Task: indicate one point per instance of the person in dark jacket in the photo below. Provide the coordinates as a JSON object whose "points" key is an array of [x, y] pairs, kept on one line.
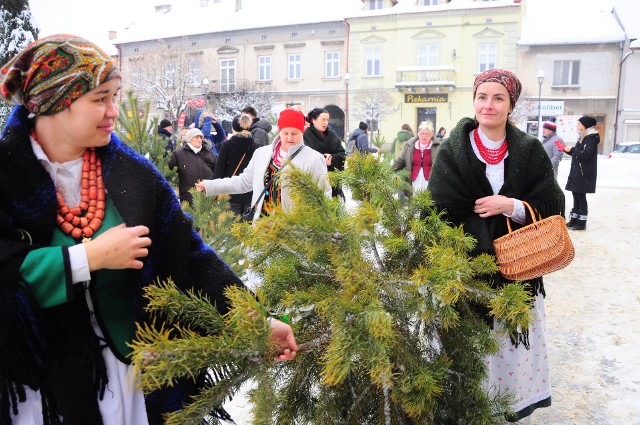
{"points": [[319, 137], [211, 129], [361, 137], [165, 130], [234, 157], [260, 128], [195, 161], [584, 170], [72, 288]]}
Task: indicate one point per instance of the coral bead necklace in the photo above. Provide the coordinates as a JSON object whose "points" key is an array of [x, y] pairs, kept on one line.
{"points": [[85, 219], [491, 156]]}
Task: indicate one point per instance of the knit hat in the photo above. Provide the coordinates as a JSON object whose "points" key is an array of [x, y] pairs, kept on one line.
{"points": [[501, 76], [363, 126], [587, 121], [550, 125], [192, 133], [291, 118], [165, 123], [53, 72]]}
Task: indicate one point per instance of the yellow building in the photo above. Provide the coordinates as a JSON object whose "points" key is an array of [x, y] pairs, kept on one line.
{"points": [[417, 59]]}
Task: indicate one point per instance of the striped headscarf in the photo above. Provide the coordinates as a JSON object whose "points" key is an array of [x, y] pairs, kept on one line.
{"points": [[53, 72], [501, 76]]}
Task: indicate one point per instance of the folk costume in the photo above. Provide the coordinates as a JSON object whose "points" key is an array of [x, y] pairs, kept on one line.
{"points": [[417, 162], [461, 175], [63, 343]]}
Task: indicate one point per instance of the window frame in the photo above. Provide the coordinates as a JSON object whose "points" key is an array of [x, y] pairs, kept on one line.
{"points": [[228, 67], [484, 57], [332, 64], [373, 57], [264, 68], [294, 67], [429, 55], [559, 73]]}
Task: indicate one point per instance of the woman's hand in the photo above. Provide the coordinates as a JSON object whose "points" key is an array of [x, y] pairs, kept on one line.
{"points": [[282, 337], [493, 205], [328, 158], [118, 248]]}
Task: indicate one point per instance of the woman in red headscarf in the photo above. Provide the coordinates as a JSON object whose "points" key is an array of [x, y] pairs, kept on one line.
{"points": [[482, 174]]}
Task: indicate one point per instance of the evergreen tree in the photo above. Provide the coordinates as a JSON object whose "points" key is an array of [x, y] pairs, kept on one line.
{"points": [[384, 302], [141, 133], [16, 32]]}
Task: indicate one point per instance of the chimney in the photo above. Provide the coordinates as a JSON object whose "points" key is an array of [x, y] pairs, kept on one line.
{"points": [[204, 3], [163, 8], [238, 5], [112, 35]]}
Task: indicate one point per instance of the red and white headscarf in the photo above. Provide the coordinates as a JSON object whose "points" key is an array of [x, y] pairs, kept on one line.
{"points": [[501, 76]]}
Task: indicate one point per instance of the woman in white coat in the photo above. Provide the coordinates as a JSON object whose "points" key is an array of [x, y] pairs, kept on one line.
{"points": [[267, 161]]}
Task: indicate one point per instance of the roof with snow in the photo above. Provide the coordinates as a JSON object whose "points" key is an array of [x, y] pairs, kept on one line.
{"points": [[554, 22], [188, 17]]}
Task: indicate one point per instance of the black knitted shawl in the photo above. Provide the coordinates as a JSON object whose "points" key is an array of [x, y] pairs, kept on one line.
{"points": [[458, 178], [55, 350]]}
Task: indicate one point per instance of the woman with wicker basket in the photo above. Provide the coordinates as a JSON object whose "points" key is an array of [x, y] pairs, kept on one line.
{"points": [[484, 172]]}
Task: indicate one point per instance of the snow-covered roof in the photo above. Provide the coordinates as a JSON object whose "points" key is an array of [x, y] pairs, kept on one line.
{"points": [[554, 22], [187, 17], [628, 12]]}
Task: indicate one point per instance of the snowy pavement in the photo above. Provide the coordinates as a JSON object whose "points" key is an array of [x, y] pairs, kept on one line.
{"points": [[593, 311]]}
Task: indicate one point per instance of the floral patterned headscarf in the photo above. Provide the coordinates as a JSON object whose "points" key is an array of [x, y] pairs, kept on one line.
{"points": [[53, 72], [501, 76]]}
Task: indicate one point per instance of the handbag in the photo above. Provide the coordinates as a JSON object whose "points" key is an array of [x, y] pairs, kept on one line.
{"points": [[539, 248], [249, 213]]}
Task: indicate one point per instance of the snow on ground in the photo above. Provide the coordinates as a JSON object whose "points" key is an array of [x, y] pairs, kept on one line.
{"points": [[593, 311]]}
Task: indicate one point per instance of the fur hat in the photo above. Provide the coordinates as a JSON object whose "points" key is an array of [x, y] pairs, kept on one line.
{"points": [[550, 125], [192, 133], [291, 118], [165, 123], [241, 122], [53, 72], [587, 121]]}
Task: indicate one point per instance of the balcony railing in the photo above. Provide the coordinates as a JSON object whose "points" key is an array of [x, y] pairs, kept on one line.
{"points": [[425, 76]]}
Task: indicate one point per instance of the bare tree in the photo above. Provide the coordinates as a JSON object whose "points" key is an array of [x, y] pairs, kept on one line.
{"points": [[169, 75], [372, 106], [229, 105], [525, 107]]}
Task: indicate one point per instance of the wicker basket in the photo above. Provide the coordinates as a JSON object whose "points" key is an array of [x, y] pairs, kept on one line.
{"points": [[539, 248]]}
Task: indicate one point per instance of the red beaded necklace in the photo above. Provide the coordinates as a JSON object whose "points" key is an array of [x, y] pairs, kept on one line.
{"points": [[491, 156], [85, 219]]}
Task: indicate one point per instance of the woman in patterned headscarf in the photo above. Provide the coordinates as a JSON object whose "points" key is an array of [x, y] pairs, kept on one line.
{"points": [[482, 174], [85, 225]]}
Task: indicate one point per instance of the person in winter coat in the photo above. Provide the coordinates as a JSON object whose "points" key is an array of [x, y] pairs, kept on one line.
{"points": [[269, 160], [207, 123], [584, 170], [360, 135], [195, 161], [442, 134], [482, 174], [417, 158], [403, 135], [74, 265], [260, 128], [235, 155], [549, 144], [165, 130], [319, 137]]}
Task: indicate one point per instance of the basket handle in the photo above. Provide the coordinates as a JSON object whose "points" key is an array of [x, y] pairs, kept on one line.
{"points": [[533, 215]]}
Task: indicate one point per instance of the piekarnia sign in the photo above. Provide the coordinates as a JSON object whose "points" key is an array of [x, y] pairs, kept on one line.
{"points": [[426, 98]]}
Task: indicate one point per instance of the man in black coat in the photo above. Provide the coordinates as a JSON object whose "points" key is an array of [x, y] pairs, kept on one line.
{"points": [[165, 130]]}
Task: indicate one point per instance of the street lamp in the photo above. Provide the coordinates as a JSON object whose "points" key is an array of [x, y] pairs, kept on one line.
{"points": [[540, 81], [347, 80], [205, 84]]}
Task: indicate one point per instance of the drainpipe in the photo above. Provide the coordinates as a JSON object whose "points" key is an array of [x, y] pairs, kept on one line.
{"points": [[615, 124], [346, 108]]}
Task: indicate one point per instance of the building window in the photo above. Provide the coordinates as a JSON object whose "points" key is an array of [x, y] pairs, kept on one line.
{"points": [[227, 75], [566, 73], [331, 64], [136, 76], [264, 68], [295, 66], [375, 4], [294, 34], [194, 73], [373, 59], [487, 56], [428, 55], [264, 37], [170, 74], [430, 2]]}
